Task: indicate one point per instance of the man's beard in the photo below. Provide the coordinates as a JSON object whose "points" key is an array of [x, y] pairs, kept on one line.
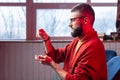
{"points": [[77, 31]]}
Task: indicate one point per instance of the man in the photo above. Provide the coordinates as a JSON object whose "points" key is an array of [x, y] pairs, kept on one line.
{"points": [[84, 58]]}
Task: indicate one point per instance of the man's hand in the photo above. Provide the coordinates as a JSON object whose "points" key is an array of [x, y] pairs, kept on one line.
{"points": [[43, 59], [44, 36], [48, 61]]}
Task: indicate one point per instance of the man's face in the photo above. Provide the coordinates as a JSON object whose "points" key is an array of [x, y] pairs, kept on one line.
{"points": [[76, 24]]}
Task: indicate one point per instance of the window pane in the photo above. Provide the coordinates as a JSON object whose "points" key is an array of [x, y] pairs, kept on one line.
{"points": [[104, 1], [59, 1], [105, 19], [7, 1], [12, 23], [55, 22]]}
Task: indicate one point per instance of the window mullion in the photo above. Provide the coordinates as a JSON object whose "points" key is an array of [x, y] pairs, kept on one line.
{"points": [[30, 21]]}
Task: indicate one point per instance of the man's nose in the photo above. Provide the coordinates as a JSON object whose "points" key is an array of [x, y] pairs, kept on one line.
{"points": [[70, 24]]}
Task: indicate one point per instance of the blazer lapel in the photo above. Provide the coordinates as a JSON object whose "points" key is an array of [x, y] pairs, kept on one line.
{"points": [[79, 53]]}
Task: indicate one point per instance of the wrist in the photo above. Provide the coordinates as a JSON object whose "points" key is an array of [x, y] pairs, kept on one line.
{"points": [[53, 64], [47, 39], [59, 70]]}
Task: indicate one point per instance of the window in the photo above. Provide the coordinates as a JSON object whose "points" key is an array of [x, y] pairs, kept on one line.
{"points": [[105, 19], [21, 19], [54, 21], [13, 22]]}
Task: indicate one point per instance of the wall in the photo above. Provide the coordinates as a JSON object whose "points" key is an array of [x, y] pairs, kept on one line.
{"points": [[17, 59]]}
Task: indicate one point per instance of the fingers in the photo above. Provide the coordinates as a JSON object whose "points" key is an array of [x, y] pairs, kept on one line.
{"points": [[48, 59], [43, 59], [41, 30], [38, 57], [37, 36], [43, 34]]}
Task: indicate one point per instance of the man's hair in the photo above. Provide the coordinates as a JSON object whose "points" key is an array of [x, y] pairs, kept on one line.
{"points": [[86, 11]]}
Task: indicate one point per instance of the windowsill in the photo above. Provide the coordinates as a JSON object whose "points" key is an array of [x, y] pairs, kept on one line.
{"points": [[53, 39]]}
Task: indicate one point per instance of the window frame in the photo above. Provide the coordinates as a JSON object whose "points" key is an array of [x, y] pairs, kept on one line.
{"points": [[32, 7]]}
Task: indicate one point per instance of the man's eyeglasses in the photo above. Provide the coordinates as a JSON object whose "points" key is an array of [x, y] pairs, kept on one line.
{"points": [[73, 19]]}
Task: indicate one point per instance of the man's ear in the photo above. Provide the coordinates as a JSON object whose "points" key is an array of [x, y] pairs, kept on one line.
{"points": [[85, 20]]}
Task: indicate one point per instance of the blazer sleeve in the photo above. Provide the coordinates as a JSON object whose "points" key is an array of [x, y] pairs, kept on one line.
{"points": [[59, 54]]}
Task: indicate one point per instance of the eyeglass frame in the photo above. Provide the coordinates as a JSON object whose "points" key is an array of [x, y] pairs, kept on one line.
{"points": [[73, 19]]}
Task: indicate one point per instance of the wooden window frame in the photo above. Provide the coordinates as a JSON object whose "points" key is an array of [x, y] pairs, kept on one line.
{"points": [[31, 8]]}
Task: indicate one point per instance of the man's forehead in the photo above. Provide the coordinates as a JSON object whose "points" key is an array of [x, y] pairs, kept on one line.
{"points": [[75, 14]]}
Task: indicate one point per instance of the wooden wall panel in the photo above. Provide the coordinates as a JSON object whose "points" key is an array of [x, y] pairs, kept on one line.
{"points": [[1, 62], [6, 63], [12, 61], [113, 46], [17, 60]]}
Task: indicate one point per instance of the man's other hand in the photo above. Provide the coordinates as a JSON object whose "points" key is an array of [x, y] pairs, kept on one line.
{"points": [[43, 59]]}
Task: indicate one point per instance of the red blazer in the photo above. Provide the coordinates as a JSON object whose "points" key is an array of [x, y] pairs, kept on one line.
{"points": [[89, 62]]}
